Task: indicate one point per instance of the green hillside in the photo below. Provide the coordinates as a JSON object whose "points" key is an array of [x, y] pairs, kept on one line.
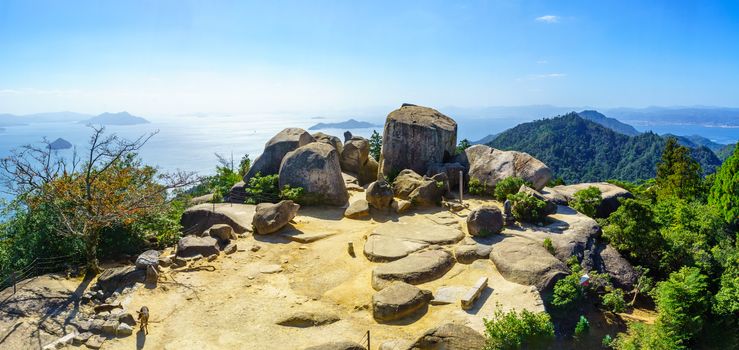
{"points": [[580, 150]]}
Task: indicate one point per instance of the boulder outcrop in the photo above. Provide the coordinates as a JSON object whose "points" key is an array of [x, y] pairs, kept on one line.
{"points": [[420, 190], [484, 221], [355, 159], [147, 258], [190, 246], [197, 219], [275, 149], [269, 218], [415, 137], [525, 261], [358, 209], [489, 165], [315, 167], [116, 278], [331, 140], [379, 194], [398, 300]]}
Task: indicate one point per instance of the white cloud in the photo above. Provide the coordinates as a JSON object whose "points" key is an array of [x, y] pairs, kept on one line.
{"points": [[548, 19]]}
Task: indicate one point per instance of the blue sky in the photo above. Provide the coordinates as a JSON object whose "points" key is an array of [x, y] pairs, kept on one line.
{"points": [[319, 56]]}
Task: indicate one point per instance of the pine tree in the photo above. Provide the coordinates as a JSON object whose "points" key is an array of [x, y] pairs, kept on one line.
{"points": [[725, 191], [375, 142], [678, 174]]}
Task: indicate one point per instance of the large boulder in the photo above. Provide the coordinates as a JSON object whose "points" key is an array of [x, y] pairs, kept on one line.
{"points": [[116, 278], [190, 246], [197, 219], [379, 194], [420, 190], [609, 192], [147, 258], [525, 261], [222, 232], [398, 300], [315, 167], [484, 221], [608, 260], [490, 165], [269, 218], [355, 159], [415, 137], [449, 336], [415, 268], [331, 140], [275, 149]]}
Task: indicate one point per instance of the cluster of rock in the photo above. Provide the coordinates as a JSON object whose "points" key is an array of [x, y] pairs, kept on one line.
{"points": [[208, 244]]}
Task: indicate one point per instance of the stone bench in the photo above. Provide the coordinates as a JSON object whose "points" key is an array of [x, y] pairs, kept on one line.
{"points": [[469, 298]]}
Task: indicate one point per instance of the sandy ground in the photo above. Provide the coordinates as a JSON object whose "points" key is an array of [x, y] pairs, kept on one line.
{"points": [[236, 306]]}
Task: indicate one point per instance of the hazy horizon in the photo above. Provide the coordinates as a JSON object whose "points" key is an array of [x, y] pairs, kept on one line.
{"points": [[175, 57]]}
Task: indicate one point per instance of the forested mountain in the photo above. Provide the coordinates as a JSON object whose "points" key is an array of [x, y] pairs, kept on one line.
{"points": [[725, 151], [611, 123], [579, 150]]}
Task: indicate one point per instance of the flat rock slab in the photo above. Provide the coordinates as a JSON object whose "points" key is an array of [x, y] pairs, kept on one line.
{"points": [[415, 268], [300, 237], [468, 253], [395, 240], [450, 336], [307, 319], [199, 218], [448, 295]]}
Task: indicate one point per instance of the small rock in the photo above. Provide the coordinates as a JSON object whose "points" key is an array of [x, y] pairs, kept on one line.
{"points": [[81, 338], [127, 318], [124, 330], [223, 232], [110, 326], [269, 218], [268, 269], [358, 209], [307, 319], [230, 249], [212, 257], [400, 205], [484, 221], [179, 262], [398, 300], [255, 248], [95, 342], [379, 194], [147, 258], [152, 276]]}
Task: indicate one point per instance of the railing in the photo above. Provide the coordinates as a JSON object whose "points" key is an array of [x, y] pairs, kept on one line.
{"points": [[365, 340], [37, 267]]}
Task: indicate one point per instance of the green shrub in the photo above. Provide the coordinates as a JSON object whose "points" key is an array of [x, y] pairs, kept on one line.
{"points": [[263, 189], [509, 185], [463, 145], [587, 201], [526, 207], [548, 245], [614, 300], [516, 330], [375, 143], [607, 341], [556, 182], [567, 292], [582, 326], [477, 187]]}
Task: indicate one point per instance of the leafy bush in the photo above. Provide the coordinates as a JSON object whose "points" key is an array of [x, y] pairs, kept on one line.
{"points": [[509, 185], [641, 336], [725, 189], [682, 301], [632, 230], [266, 189], [556, 182], [567, 291], [614, 300], [516, 330], [586, 201], [582, 326], [548, 245], [526, 207], [477, 187], [607, 341]]}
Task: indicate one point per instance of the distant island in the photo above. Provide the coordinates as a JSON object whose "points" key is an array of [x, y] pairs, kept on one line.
{"points": [[121, 118], [349, 124], [59, 144]]}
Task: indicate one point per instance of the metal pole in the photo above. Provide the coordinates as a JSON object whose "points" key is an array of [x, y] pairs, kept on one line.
{"points": [[368, 340], [12, 275], [461, 186]]}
